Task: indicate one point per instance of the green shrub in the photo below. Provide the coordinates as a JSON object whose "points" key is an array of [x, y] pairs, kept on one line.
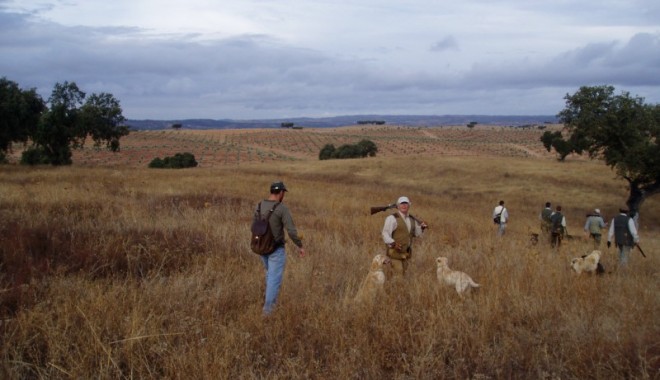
{"points": [[178, 161], [327, 152], [35, 156], [362, 149]]}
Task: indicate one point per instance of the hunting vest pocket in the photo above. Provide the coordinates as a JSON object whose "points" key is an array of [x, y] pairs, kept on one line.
{"points": [[394, 254]]}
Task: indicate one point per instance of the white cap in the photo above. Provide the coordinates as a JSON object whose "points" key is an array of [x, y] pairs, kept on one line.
{"points": [[402, 200], [597, 211]]}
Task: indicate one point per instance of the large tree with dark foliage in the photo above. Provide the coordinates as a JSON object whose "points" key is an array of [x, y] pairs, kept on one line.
{"points": [[622, 130], [72, 118], [20, 111]]}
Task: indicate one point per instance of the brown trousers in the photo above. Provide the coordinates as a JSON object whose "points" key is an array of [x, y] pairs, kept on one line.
{"points": [[398, 267]]}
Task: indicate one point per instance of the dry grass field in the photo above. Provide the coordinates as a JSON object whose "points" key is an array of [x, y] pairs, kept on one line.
{"points": [[112, 270]]}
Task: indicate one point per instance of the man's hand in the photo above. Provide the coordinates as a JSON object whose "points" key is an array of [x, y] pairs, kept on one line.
{"points": [[609, 244], [301, 251], [395, 245], [424, 226]]}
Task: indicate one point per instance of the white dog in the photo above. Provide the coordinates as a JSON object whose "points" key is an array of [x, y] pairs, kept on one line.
{"points": [[375, 279], [589, 263], [461, 281]]}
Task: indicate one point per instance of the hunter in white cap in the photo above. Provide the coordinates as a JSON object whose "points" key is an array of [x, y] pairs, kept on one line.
{"points": [[398, 232], [594, 226]]}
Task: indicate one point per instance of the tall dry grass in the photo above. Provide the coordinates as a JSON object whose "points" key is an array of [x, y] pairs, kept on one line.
{"points": [[138, 273]]}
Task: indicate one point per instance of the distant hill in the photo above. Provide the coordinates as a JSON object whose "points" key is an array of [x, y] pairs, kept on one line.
{"points": [[340, 121]]}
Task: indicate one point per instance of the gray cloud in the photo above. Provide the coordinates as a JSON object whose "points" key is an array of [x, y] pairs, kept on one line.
{"points": [[447, 43], [260, 75]]}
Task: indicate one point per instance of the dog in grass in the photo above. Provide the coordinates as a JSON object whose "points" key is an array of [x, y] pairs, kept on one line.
{"points": [[459, 280], [588, 263], [374, 281]]}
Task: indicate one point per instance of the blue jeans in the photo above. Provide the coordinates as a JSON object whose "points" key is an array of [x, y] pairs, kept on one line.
{"points": [[501, 229], [274, 265]]}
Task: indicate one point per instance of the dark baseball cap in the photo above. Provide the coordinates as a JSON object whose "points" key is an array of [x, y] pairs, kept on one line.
{"points": [[278, 186]]}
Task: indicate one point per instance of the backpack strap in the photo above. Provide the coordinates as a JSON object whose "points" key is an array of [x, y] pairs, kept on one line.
{"points": [[270, 212]]}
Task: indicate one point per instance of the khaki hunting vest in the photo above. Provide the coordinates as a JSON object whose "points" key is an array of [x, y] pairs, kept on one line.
{"points": [[403, 237]]}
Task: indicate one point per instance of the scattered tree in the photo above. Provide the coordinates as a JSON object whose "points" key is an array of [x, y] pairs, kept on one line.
{"points": [[20, 111], [471, 124], [375, 122], [620, 129], [177, 126], [71, 119]]}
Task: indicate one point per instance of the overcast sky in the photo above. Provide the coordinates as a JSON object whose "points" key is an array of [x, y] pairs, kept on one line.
{"points": [[254, 59]]}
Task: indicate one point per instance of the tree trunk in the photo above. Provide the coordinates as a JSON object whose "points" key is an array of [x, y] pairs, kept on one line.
{"points": [[637, 196]]}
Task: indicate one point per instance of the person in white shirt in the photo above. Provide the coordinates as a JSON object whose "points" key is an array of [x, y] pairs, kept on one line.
{"points": [[625, 235], [398, 232], [500, 218]]}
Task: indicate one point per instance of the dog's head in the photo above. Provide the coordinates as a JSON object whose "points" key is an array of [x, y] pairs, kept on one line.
{"points": [[576, 263], [441, 261], [378, 261]]}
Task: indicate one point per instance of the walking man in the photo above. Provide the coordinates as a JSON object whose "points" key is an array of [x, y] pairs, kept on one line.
{"points": [[500, 217], [625, 235], [275, 262], [545, 219], [398, 232], [593, 227], [557, 227]]}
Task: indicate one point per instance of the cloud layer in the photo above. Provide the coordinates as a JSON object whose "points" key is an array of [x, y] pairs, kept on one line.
{"points": [[262, 59]]}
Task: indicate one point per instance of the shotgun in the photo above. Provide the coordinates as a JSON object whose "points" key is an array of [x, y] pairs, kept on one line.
{"points": [[640, 250], [378, 209]]}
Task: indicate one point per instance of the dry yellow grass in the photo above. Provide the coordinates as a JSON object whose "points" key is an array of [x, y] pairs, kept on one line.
{"points": [[127, 272]]}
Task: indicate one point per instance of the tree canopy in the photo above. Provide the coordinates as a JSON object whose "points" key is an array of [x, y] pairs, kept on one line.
{"points": [[59, 125], [622, 130], [19, 114]]}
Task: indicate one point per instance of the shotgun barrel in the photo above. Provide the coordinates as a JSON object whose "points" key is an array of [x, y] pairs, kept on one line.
{"points": [[378, 209]]}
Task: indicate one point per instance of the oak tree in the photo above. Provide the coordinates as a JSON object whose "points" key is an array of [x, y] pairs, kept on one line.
{"points": [[622, 130]]}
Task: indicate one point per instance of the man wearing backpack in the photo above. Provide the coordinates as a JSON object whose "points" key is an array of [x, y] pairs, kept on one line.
{"points": [[557, 227], [275, 262], [625, 235]]}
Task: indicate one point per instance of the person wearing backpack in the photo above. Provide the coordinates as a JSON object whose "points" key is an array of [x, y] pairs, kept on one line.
{"points": [[624, 232], [275, 262], [500, 217], [593, 227], [557, 227]]}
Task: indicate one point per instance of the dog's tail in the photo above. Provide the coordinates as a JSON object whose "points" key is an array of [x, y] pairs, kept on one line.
{"points": [[474, 284]]}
